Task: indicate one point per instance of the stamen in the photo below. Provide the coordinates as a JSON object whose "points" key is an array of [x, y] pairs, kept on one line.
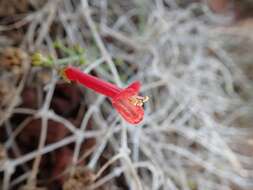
{"points": [[138, 100]]}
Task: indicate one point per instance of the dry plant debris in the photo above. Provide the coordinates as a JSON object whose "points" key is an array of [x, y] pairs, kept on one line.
{"points": [[13, 60], [9, 8], [190, 139], [3, 155], [14, 63], [5, 93], [81, 179], [29, 187]]}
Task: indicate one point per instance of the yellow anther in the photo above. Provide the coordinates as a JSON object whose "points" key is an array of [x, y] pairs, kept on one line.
{"points": [[138, 100]]}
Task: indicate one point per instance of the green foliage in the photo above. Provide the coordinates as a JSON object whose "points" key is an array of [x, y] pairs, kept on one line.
{"points": [[74, 55]]}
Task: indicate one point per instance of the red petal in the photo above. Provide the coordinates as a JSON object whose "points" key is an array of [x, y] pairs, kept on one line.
{"points": [[91, 82], [135, 86], [130, 112]]}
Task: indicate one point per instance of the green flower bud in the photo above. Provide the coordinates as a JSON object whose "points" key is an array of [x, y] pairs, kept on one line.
{"points": [[39, 60], [82, 60]]}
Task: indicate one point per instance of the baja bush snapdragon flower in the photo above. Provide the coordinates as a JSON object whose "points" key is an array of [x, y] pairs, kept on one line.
{"points": [[126, 101]]}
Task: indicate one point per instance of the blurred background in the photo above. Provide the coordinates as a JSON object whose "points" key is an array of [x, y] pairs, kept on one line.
{"points": [[195, 62]]}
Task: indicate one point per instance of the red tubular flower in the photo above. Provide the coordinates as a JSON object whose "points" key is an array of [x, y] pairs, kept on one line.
{"points": [[125, 101]]}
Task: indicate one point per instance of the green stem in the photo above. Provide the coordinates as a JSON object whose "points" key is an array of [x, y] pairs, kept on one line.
{"points": [[68, 59], [67, 50]]}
